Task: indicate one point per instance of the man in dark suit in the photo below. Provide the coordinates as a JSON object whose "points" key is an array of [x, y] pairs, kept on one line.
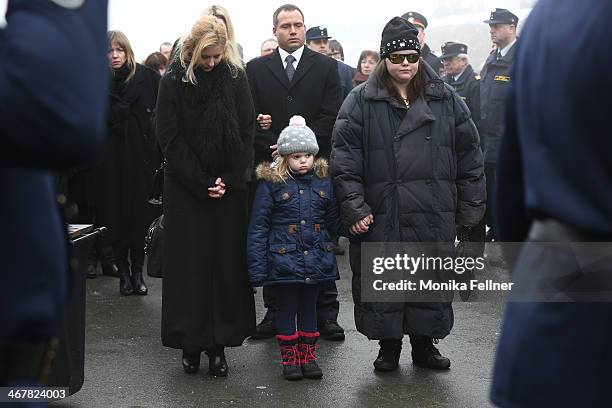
{"points": [[295, 80]]}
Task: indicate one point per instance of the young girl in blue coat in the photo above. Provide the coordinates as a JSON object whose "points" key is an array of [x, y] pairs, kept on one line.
{"points": [[294, 223]]}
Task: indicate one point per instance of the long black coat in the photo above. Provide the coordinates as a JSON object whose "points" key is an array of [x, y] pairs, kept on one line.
{"points": [[495, 80], [314, 93], [468, 88], [207, 299], [419, 172], [125, 174]]}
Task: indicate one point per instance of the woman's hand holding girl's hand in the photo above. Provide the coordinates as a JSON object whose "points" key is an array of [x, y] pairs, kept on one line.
{"points": [[218, 190], [362, 226]]}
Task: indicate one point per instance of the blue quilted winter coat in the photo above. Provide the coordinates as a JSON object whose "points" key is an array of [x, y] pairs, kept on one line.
{"points": [[293, 228]]}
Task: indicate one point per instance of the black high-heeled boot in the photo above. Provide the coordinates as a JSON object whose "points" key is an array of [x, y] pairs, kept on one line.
{"points": [[107, 259], [191, 362], [216, 361], [138, 283], [125, 281]]}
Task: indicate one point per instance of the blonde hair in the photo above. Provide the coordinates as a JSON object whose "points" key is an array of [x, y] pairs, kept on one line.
{"points": [[118, 37], [222, 14], [282, 168], [206, 32]]}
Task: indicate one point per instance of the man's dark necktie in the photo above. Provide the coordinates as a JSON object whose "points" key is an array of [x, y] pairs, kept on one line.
{"points": [[289, 68]]}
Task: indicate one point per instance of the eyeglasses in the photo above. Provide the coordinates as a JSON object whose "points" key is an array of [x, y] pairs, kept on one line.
{"points": [[399, 58]]}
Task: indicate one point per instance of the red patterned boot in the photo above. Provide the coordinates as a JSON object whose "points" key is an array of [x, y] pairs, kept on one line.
{"points": [[308, 355], [290, 357]]}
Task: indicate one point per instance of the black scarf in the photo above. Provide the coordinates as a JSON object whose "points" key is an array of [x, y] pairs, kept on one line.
{"points": [[212, 105], [118, 77]]}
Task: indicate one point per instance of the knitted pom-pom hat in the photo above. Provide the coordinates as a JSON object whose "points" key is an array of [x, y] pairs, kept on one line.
{"points": [[297, 138]]}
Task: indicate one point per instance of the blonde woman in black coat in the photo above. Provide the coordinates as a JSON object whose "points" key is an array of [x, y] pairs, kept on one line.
{"points": [[205, 125]]}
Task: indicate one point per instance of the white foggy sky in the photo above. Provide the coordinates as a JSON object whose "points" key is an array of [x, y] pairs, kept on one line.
{"points": [[357, 24]]}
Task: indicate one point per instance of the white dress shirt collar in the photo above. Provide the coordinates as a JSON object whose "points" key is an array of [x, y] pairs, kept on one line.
{"points": [[505, 50], [297, 54], [456, 77]]}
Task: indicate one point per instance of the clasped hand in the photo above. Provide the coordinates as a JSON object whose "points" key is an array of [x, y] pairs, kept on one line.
{"points": [[362, 226], [218, 190]]}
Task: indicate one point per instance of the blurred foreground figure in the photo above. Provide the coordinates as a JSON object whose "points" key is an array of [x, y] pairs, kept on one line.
{"points": [[555, 184], [48, 122]]}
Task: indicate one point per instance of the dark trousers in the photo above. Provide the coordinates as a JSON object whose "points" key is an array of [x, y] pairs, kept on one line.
{"points": [[295, 301], [328, 306], [136, 256], [490, 174], [554, 353], [477, 236], [102, 252]]}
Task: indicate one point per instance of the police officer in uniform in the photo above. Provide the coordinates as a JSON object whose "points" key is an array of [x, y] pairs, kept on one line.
{"points": [[495, 80], [420, 22], [555, 185], [52, 119], [461, 76], [318, 40]]}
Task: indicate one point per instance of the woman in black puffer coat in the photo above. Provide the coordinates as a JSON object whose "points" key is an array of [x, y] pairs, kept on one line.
{"points": [[407, 167]]}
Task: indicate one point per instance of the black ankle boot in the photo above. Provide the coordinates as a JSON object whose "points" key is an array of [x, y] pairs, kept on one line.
{"points": [[331, 330], [125, 282], [425, 354], [138, 283], [217, 364], [388, 355], [191, 362], [107, 261], [265, 329]]}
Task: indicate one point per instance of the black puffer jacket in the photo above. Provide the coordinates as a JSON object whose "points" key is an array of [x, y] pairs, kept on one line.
{"points": [[419, 172]]}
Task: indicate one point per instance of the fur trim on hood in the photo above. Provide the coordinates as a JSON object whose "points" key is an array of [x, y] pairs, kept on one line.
{"points": [[267, 173]]}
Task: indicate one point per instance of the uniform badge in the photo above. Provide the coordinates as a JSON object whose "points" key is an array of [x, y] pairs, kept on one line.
{"points": [[69, 4], [501, 78], [322, 193]]}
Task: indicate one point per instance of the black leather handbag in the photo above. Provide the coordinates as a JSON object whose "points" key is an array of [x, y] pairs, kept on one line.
{"points": [[154, 241]]}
